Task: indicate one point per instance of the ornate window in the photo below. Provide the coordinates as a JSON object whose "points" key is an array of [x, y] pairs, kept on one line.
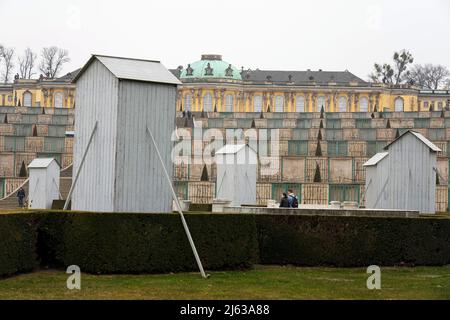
{"points": [[207, 102], [342, 104], [398, 104], [187, 102], [58, 100], [27, 99], [363, 104], [279, 103], [440, 106], [321, 103], [300, 104], [229, 100], [257, 103], [426, 106]]}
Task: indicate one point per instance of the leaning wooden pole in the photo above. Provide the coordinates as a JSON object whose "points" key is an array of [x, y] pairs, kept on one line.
{"points": [[175, 198], [69, 196]]}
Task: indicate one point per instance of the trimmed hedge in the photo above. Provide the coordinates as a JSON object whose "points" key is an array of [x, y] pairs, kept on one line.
{"points": [[17, 243], [147, 243], [137, 243], [352, 241]]}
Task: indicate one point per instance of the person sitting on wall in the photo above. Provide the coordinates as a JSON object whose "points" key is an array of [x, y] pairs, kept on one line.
{"points": [[292, 198], [284, 202], [21, 196]]}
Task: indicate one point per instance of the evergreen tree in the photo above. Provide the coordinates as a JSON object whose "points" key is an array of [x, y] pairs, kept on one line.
{"points": [[321, 124], [319, 136], [204, 176], [34, 131], [253, 124], [23, 170], [397, 134], [6, 119], [317, 177], [318, 149], [388, 124]]}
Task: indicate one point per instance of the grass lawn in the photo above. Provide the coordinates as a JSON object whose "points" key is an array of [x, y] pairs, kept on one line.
{"points": [[262, 282]]}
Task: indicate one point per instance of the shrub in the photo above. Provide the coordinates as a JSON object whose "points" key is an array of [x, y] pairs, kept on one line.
{"points": [[136, 243], [352, 241], [17, 243]]}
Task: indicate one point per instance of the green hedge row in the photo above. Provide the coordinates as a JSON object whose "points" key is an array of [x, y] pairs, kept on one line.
{"points": [[137, 243], [147, 243], [17, 243], [352, 241]]}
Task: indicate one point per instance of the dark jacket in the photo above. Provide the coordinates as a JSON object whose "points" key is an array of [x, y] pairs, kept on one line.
{"points": [[21, 193], [284, 202]]}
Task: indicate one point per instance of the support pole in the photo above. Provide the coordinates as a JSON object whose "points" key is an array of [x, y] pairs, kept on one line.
{"points": [[69, 196], [175, 198]]}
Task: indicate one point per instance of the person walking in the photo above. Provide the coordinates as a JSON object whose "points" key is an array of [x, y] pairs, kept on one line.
{"points": [[21, 196], [284, 202], [292, 198]]}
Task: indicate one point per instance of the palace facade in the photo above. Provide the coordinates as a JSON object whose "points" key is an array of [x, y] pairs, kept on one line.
{"points": [[42, 92], [212, 84]]}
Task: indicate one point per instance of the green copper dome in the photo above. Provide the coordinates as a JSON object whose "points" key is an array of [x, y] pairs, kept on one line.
{"points": [[211, 66]]}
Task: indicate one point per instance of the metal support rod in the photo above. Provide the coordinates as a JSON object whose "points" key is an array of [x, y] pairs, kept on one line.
{"points": [[175, 198], [69, 196]]}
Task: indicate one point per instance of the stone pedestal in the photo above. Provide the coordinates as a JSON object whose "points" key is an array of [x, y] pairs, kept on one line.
{"points": [[350, 205], [219, 204], [185, 204], [335, 204], [272, 204]]}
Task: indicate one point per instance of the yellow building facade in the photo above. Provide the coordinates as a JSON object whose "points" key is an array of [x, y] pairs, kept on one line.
{"points": [[42, 92], [212, 84]]}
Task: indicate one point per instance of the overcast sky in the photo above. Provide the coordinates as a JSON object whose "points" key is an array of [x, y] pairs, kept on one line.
{"points": [[277, 35]]}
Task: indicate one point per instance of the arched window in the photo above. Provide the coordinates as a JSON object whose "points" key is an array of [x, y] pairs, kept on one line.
{"points": [[27, 98], [58, 100], [207, 102], [187, 102], [229, 100], [342, 104], [279, 104], [257, 103], [321, 103], [300, 104], [398, 104], [363, 104]]}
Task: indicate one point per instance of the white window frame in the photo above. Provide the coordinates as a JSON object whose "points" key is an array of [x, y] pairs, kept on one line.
{"points": [[207, 102], [364, 107], [229, 101], [257, 103], [279, 103], [397, 107], [300, 104], [321, 101], [27, 103], [188, 102], [343, 103], [59, 95]]}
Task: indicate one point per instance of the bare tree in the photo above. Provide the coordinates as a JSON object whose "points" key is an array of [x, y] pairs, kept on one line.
{"points": [[26, 64], [8, 64], [395, 74], [53, 59], [429, 76]]}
